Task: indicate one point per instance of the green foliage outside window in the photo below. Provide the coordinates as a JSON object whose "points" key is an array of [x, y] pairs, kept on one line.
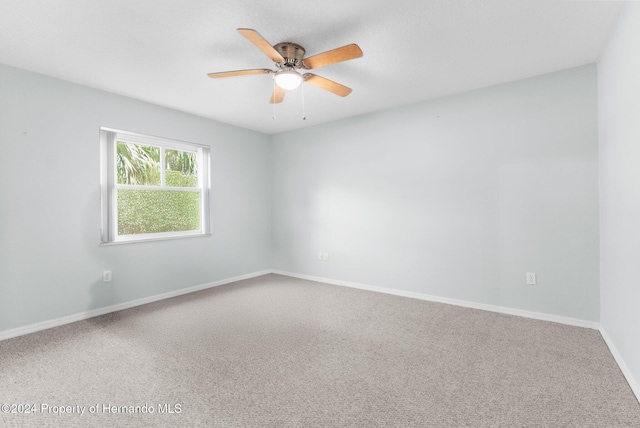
{"points": [[153, 211], [138, 164]]}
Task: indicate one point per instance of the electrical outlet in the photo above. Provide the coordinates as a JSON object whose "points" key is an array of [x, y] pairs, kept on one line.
{"points": [[106, 276], [531, 278]]}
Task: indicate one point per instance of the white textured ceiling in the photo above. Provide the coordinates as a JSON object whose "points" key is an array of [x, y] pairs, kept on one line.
{"points": [[161, 50]]}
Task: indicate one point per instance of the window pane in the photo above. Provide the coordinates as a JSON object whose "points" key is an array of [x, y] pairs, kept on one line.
{"points": [[155, 211], [182, 169], [137, 164]]}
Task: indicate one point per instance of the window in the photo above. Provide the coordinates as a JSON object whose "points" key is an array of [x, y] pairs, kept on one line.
{"points": [[152, 188]]}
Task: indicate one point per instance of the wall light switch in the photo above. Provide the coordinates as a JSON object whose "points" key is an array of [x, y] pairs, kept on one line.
{"points": [[531, 278], [106, 276], [320, 255], [325, 256]]}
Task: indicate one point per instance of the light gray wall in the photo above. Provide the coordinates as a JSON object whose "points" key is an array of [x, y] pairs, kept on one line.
{"points": [[50, 260], [456, 197], [619, 97]]}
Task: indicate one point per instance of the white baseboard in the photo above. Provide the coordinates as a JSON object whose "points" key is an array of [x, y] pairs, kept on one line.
{"points": [[32, 328], [633, 383], [492, 308]]}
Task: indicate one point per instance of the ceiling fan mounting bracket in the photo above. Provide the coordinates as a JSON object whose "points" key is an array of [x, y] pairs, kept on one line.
{"points": [[292, 54]]}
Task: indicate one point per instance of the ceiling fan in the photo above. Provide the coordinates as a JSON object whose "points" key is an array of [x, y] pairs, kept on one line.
{"points": [[289, 58]]}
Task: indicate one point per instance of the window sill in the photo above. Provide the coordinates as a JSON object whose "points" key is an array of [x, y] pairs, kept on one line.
{"points": [[162, 238]]}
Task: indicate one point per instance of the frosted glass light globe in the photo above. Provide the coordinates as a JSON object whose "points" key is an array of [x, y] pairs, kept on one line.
{"points": [[288, 79]]}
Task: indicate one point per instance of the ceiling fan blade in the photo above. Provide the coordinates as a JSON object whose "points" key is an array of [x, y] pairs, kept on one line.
{"points": [[327, 85], [239, 73], [277, 96], [261, 43], [344, 53]]}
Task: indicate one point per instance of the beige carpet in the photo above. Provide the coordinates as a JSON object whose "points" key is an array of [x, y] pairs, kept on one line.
{"points": [[277, 351]]}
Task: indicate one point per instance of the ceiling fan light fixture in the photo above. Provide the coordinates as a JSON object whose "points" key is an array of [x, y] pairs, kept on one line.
{"points": [[288, 79]]}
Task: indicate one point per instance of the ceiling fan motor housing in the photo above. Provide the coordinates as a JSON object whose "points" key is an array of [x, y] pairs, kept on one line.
{"points": [[292, 54]]}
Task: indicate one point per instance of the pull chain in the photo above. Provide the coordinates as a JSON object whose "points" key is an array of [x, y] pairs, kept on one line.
{"points": [[273, 99], [304, 117]]}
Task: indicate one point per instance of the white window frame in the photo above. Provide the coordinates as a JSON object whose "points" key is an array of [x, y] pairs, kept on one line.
{"points": [[109, 185]]}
